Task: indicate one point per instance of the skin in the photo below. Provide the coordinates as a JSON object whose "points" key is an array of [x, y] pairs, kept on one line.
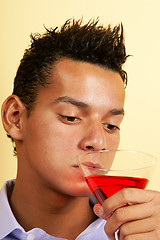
{"points": [[80, 111], [139, 220]]}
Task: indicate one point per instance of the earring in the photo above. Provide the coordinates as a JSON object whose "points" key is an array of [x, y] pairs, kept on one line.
{"points": [[17, 124]]}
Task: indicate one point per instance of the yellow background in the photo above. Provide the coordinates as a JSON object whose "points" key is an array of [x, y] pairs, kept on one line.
{"points": [[141, 19]]}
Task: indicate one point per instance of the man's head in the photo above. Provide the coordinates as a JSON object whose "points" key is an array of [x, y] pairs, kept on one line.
{"points": [[87, 43]]}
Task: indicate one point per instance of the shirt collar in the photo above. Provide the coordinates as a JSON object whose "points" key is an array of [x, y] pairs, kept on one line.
{"points": [[7, 219], [93, 227]]}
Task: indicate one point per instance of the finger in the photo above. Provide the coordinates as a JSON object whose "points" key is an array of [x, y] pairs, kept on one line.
{"points": [[127, 196], [123, 198], [127, 214], [137, 227]]}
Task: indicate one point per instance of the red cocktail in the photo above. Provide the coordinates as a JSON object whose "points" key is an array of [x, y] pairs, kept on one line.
{"points": [[109, 171]]}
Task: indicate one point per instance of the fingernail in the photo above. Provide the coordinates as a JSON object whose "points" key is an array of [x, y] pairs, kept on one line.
{"points": [[101, 211]]}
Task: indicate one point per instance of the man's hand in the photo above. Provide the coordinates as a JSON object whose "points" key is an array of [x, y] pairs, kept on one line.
{"points": [[134, 212]]}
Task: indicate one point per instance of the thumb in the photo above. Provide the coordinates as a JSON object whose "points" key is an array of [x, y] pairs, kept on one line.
{"points": [[99, 211]]}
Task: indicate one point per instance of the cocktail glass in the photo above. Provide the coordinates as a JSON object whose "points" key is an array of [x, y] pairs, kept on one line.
{"points": [[108, 171]]}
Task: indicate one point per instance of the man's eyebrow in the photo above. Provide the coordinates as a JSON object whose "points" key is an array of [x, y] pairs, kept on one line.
{"points": [[77, 103], [72, 101], [117, 111]]}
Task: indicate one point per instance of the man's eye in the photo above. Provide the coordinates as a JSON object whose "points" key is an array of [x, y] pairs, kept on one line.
{"points": [[69, 119], [111, 128]]}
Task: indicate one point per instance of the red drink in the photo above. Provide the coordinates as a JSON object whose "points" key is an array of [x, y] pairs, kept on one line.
{"points": [[105, 186]]}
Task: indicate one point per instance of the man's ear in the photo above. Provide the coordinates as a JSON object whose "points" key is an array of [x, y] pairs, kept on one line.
{"points": [[13, 112]]}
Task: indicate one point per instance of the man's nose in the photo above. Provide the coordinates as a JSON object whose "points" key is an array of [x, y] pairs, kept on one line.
{"points": [[94, 139]]}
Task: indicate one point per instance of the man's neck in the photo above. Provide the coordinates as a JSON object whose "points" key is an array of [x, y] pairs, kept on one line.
{"points": [[58, 215]]}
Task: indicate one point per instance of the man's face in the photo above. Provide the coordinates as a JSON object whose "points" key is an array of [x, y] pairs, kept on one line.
{"points": [[80, 111]]}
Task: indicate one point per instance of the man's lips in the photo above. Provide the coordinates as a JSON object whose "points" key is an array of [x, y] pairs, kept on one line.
{"points": [[89, 165], [92, 165]]}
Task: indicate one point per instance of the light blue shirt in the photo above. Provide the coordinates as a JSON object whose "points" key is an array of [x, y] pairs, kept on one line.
{"points": [[10, 228]]}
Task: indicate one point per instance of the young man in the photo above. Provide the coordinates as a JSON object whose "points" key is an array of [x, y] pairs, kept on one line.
{"points": [[68, 99]]}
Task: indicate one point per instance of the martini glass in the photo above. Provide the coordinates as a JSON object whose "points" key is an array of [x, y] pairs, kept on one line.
{"points": [[108, 171]]}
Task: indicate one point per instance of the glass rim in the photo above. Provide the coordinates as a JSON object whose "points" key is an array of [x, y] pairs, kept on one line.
{"points": [[123, 150]]}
